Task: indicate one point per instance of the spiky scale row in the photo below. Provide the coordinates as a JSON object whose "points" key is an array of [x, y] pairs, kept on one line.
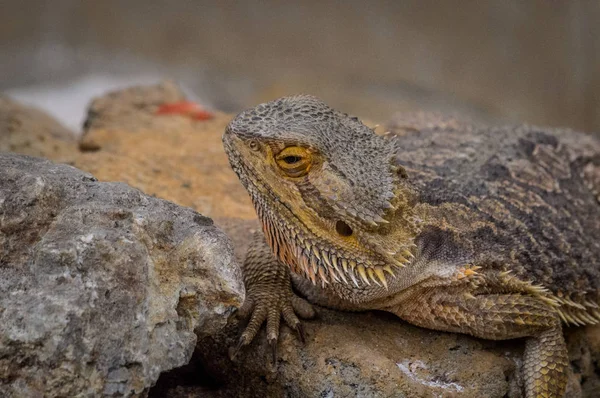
{"points": [[590, 304], [326, 266], [578, 314], [316, 263], [570, 303], [579, 317], [570, 311]]}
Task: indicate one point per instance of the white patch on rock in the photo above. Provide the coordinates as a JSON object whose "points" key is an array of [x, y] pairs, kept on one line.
{"points": [[419, 372]]}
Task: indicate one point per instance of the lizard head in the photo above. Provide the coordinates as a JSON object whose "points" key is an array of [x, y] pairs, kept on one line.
{"points": [[334, 203]]}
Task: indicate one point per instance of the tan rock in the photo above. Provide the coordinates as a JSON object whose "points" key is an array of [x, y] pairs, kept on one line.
{"points": [[32, 132], [169, 156]]}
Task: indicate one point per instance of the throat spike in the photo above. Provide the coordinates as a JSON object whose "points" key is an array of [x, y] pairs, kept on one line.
{"points": [[380, 220], [345, 265], [334, 275], [337, 269], [388, 269], [316, 253], [311, 276], [322, 275], [379, 272], [407, 253], [397, 263], [400, 258], [371, 274], [327, 260], [363, 274], [303, 260], [353, 279], [315, 264]]}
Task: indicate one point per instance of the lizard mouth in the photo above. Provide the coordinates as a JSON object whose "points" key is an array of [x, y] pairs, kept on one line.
{"points": [[309, 253]]}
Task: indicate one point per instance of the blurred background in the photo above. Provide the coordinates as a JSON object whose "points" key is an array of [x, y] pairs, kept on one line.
{"points": [[498, 61]]}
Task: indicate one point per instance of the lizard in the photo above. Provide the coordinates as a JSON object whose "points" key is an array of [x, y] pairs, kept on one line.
{"points": [[456, 227]]}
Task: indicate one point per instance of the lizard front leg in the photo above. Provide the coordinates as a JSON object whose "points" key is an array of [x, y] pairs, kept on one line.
{"points": [[269, 296], [486, 314]]}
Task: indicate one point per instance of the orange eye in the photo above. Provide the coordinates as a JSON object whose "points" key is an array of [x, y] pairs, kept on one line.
{"points": [[294, 161]]}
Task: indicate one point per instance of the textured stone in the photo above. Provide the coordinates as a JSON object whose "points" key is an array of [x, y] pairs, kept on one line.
{"points": [[101, 286], [32, 132], [169, 156]]}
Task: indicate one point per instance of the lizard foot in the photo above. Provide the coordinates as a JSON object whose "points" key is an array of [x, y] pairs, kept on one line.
{"points": [[271, 309], [269, 297]]}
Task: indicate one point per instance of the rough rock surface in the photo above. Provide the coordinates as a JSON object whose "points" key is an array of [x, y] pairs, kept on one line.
{"points": [[101, 286], [32, 132], [346, 354], [171, 156]]}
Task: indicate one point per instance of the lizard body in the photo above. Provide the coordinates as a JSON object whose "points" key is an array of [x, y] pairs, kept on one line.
{"points": [[490, 232]]}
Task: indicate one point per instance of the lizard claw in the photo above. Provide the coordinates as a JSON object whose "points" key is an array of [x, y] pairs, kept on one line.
{"points": [[273, 344], [241, 343], [300, 331]]}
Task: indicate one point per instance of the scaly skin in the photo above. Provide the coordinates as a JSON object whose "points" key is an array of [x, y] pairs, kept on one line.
{"points": [[450, 226]]}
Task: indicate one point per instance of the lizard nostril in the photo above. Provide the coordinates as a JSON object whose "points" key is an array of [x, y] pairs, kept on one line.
{"points": [[343, 229]]}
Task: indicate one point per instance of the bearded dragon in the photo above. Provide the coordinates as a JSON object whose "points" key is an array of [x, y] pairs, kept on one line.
{"points": [[491, 232]]}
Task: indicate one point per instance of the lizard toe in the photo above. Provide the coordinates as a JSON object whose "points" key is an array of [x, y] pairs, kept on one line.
{"points": [[256, 320], [273, 322], [293, 322], [302, 307], [246, 309]]}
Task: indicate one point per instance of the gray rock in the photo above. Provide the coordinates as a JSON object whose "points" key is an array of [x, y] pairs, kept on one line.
{"points": [[102, 287]]}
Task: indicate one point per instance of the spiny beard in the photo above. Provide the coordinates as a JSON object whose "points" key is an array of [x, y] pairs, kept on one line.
{"points": [[313, 261]]}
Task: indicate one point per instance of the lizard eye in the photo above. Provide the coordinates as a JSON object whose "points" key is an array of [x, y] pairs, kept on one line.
{"points": [[294, 161]]}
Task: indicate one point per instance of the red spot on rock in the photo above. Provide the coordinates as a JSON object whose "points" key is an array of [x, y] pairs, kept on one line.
{"points": [[185, 108]]}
